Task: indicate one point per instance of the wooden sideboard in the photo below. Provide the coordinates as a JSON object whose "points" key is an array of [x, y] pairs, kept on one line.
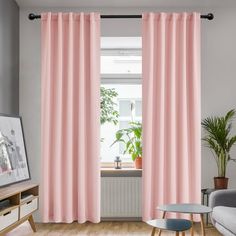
{"points": [[17, 204]]}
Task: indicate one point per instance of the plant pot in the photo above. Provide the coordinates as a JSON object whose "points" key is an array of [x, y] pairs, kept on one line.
{"points": [[221, 182], [138, 163]]}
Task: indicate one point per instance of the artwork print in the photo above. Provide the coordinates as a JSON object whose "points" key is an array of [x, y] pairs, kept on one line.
{"points": [[13, 157]]}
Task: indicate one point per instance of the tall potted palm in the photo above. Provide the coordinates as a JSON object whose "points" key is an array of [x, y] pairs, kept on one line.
{"points": [[219, 139]]}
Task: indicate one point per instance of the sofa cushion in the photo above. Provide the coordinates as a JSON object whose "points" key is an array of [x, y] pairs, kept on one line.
{"points": [[226, 217], [223, 230]]}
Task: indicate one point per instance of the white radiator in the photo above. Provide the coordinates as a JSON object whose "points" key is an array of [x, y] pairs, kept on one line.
{"points": [[121, 197]]}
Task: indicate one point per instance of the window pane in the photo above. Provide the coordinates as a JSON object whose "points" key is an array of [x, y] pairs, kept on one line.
{"points": [[123, 125], [121, 148], [125, 108], [138, 108], [127, 93]]}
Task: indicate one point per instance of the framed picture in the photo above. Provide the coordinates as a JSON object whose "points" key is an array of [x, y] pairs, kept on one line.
{"points": [[14, 166]]}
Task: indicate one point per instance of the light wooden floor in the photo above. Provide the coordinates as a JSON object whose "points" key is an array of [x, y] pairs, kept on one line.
{"points": [[104, 228]]}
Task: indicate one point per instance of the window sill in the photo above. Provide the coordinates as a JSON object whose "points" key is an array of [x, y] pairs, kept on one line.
{"points": [[124, 172], [110, 165]]}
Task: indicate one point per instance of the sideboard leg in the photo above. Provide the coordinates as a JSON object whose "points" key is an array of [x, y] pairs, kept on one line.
{"points": [[32, 224]]}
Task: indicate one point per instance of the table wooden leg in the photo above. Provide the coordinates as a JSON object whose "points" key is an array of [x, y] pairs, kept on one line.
{"points": [[202, 225], [177, 234], [163, 217], [153, 231], [32, 224], [183, 233], [192, 228]]}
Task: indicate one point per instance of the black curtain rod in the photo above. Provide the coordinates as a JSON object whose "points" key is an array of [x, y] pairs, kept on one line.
{"points": [[33, 16]]}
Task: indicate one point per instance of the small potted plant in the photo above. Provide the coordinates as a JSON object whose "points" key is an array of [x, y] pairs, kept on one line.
{"points": [[132, 138], [219, 139]]}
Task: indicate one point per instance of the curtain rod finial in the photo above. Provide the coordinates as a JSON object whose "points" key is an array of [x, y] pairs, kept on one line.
{"points": [[31, 16], [210, 16]]}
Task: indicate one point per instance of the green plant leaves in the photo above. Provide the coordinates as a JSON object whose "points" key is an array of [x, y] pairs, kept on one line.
{"points": [[218, 138], [134, 156], [108, 112], [231, 142], [132, 137], [119, 135]]}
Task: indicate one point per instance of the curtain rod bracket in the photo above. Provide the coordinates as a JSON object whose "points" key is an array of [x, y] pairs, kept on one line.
{"points": [[209, 16]]}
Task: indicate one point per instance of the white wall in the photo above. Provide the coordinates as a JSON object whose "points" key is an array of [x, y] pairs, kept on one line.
{"points": [[9, 57], [218, 73]]}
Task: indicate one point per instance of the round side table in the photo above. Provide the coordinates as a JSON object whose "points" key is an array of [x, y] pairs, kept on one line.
{"points": [[187, 209]]}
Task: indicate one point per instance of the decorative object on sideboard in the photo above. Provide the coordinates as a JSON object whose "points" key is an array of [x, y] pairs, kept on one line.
{"points": [[219, 139], [132, 138], [13, 157]]}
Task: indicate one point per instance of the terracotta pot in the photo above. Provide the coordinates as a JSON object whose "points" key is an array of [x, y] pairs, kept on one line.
{"points": [[221, 182], [138, 163]]}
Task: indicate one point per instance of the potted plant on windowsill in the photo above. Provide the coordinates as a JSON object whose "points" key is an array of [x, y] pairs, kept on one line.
{"points": [[219, 139], [132, 138]]}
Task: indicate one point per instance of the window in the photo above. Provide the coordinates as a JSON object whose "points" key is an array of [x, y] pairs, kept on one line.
{"points": [[128, 104], [129, 111], [121, 71]]}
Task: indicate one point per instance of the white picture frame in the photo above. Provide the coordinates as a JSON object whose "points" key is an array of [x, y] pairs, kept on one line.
{"points": [[14, 167]]}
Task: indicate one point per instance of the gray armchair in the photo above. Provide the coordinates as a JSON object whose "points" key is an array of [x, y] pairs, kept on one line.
{"points": [[223, 203]]}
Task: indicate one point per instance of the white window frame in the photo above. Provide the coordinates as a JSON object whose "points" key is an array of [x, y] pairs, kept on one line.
{"points": [[131, 118], [121, 79]]}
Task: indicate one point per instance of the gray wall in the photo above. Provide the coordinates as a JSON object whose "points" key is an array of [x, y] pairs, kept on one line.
{"points": [[9, 57], [218, 73]]}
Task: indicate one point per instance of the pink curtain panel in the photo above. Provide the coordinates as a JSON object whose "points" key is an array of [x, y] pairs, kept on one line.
{"points": [[70, 117], [171, 110]]}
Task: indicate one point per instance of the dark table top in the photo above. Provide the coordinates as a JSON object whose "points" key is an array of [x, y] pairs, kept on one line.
{"points": [[177, 225]]}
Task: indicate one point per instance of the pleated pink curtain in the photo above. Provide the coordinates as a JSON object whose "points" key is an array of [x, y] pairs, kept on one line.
{"points": [[171, 110], [70, 117]]}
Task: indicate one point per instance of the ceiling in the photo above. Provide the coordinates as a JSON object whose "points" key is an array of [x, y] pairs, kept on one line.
{"points": [[126, 3]]}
